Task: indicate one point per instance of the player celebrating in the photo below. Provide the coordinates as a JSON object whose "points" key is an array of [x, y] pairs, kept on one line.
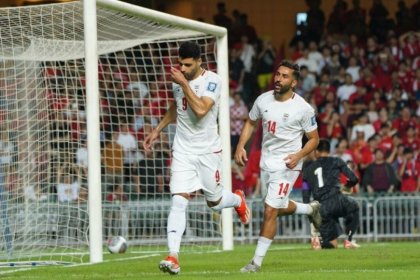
{"points": [[197, 159], [286, 117], [323, 177]]}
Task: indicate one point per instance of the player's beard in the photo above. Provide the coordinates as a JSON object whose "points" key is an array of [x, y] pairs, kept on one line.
{"points": [[190, 76], [283, 89]]}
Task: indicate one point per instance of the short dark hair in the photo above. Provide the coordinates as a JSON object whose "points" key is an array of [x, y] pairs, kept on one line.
{"points": [[189, 49], [323, 146], [294, 66], [407, 150]]}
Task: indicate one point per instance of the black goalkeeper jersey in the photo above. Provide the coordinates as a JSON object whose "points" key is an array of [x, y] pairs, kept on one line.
{"points": [[323, 176]]}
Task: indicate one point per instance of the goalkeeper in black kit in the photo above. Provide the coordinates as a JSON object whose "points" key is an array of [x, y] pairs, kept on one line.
{"points": [[323, 177]]}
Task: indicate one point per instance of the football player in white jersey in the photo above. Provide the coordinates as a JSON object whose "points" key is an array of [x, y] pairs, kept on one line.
{"points": [[196, 157], [286, 117]]}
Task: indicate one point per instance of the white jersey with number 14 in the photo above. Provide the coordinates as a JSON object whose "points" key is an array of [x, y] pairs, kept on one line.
{"points": [[284, 124]]}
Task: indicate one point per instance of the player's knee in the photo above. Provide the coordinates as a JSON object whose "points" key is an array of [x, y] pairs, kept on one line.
{"points": [[216, 208], [270, 213], [216, 205], [179, 203]]}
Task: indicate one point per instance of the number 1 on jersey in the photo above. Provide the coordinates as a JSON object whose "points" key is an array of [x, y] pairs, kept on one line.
{"points": [[318, 173]]}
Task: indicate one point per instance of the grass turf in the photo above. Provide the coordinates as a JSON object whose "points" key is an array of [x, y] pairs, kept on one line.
{"points": [[395, 260]]}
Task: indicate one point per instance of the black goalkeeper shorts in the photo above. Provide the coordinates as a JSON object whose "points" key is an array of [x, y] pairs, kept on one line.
{"points": [[332, 209]]}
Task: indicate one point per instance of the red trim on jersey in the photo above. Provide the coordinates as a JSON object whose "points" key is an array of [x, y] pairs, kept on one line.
{"points": [[293, 96], [217, 152], [204, 71]]}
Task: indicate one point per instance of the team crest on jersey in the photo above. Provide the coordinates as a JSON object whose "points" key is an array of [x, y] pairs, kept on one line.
{"points": [[285, 117], [212, 87]]}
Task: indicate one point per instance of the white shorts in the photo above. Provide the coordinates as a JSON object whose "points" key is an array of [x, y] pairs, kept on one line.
{"points": [[190, 173], [277, 185]]}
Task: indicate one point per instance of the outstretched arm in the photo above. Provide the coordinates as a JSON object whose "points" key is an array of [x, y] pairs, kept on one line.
{"points": [[169, 117]]}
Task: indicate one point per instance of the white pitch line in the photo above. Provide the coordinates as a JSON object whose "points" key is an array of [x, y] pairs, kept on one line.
{"points": [[15, 270], [115, 260], [81, 264]]}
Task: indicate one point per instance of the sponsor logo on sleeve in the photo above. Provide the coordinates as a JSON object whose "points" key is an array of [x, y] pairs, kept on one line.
{"points": [[212, 86]]}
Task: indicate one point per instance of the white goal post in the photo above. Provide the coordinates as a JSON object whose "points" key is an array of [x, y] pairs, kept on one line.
{"points": [[85, 78]]}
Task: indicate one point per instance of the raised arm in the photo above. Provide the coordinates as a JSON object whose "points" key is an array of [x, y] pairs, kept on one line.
{"points": [[199, 105]]}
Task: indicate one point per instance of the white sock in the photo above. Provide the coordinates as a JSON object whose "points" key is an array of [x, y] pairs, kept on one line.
{"points": [[262, 248], [303, 208], [176, 223], [229, 199]]}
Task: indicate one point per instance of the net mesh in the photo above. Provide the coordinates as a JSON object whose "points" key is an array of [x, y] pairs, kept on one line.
{"points": [[43, 147]]}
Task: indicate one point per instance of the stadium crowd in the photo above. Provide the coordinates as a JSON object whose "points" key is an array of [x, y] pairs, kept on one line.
{"points": [[362, 77]]}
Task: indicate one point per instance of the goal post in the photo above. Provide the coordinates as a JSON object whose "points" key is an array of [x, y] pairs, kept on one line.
{"points": [[56, 161], [93, 130]]}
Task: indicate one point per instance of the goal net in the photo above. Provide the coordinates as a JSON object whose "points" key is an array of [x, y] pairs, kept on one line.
{"points": [[43, 136]]}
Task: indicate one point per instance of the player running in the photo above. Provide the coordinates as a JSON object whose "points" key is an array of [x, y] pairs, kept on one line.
{"points": [[196, 158], [286, 117]]}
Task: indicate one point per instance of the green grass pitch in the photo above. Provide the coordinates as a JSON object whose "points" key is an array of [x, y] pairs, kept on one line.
{"points": [[394, 260]]}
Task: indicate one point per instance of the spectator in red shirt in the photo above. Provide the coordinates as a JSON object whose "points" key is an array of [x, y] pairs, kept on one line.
{"points": [[324, 119], [323, 88], [335, 130], [367, 152], [411, 139], [378, 99], [405, 76], [252, 174], [409, 44], [357, 145], [409, 171], [383, 69], [385, 141], [405, 120], [298, 51], [368, 80], [361, 94]]}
